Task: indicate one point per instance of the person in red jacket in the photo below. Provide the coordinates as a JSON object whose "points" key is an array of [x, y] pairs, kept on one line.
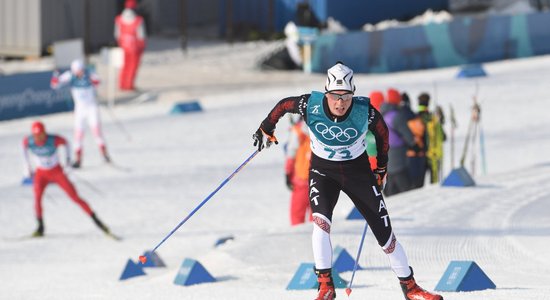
{"points": [[130, 36], [298, 154], [376, 100], [43, 148]]}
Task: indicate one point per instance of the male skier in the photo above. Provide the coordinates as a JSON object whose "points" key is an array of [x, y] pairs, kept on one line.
{"points": [[338, 122], [43, 148], [86, 108]]}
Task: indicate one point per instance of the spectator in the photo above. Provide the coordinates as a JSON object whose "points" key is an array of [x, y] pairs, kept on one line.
{"points": [[130, 36], [376, 100], [400, 139], [434, 138], [416, 155], [406, 105], [298, 154]]}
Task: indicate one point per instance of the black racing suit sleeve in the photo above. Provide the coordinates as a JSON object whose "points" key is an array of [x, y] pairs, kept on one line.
{"points": [[295, 105], [378, 127]]}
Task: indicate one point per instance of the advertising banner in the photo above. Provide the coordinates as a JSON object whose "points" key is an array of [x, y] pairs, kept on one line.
{"points": [[29, 94]]}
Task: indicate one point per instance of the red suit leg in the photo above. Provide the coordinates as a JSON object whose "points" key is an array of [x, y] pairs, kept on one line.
{"points": [[68, 187], [39, 185]]}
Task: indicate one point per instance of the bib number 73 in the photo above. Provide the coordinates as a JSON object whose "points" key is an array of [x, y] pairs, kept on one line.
{"points": [[344, 154]]}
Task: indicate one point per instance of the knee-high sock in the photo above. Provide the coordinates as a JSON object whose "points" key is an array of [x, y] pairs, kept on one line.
{"points": [[78, 137], [98, 136], [320, 239], [397, 256], [95, 125]]}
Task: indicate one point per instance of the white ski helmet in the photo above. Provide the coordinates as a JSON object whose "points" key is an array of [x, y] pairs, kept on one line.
{"points": [[340, 78], [77, 66]]}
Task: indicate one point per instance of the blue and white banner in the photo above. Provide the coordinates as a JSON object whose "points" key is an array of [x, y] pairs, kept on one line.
{"points": [[29, 94], [462, 41]]}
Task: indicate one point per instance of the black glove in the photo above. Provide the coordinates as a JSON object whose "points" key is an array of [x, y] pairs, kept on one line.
{"points": [[416, 148], [380, 175], [263, 140], [289, 182]]}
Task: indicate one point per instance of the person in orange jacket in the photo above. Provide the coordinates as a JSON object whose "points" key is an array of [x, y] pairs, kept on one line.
{"points": [[298, 154], [376, 100], [130, 36], [400, 140]]}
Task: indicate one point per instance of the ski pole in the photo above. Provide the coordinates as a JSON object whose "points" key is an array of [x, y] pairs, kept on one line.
{"points": [[88, 184], [454, 125], [119, 124], [50, 198], [466, 142], [473, 151], [348, 290], [475, 118], [143, 258], [482, 149]]}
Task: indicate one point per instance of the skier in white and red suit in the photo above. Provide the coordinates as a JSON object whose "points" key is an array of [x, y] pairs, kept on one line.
{"points": [[130, 36], [83, 83], [43, 149]]}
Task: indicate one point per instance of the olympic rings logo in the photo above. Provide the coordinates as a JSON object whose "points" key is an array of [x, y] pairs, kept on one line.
{"points": [[335, 132]]}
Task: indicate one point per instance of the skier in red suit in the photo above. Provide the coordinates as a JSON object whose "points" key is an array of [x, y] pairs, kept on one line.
{"points": [[130, 36], [43, 148]]}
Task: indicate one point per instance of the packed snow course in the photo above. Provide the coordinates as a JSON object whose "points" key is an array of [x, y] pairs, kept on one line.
{"points": [[172, 162]]}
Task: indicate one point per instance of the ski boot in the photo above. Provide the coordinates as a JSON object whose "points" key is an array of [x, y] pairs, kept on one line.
{"points": [[100, 224], [106, 157], [326, 285], [104, 228], [76, 163], [412, 291], [39, 232]]}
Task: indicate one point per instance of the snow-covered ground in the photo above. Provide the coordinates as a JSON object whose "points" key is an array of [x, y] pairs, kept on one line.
{"points": [[503, 224]]}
